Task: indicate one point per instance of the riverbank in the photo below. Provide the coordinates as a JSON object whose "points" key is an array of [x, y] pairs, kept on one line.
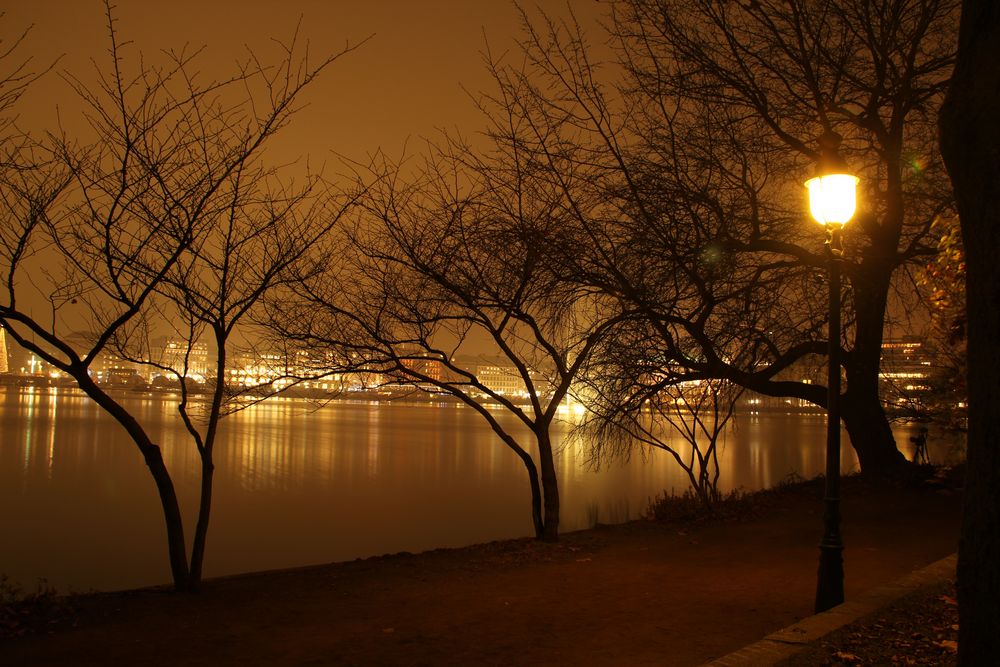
{"points": [[640, 593]]}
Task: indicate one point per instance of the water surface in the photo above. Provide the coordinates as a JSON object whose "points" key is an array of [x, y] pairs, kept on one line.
{"points": [[296, 485]]}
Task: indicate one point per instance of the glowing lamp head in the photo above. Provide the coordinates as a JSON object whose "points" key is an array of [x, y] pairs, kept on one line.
{"points": [[833, 191], [833, 198]]}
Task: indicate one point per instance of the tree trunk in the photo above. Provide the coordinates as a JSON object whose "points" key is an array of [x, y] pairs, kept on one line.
{"points": [[153, 457], [201, 529], [537, 520], [970, 143], [869, 430], [861, 405], [171, 514], [550, 486], [205, 449]]}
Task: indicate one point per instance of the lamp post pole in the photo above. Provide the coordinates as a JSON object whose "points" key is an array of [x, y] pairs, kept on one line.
{"points": [[830, 580], [832, 202]]}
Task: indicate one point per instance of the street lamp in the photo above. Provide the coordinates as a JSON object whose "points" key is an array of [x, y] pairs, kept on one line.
{"points": [[832, 201]]}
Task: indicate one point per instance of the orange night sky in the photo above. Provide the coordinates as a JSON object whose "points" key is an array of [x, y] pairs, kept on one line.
{"points": [[402, 84]]}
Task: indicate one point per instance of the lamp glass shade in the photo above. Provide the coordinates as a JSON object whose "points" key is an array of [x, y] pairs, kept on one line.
{"points": [[832, 198]]}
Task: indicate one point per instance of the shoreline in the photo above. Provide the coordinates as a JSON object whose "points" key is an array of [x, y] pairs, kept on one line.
{"points": [[635, 593], [415, 397]]}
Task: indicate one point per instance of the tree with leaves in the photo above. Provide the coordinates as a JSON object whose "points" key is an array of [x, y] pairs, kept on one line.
{"points": [[941, 285]]}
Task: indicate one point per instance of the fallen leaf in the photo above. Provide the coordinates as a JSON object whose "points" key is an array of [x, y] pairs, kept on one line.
{"points": [[843, 656], [948, 645], [947, 599]]}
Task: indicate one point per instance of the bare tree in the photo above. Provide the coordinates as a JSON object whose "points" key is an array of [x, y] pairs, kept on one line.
{"points": [[453, 261], [969, 140], [632, 402], [784, 72], [16, 76], [258, 243], [102, 230], [703, 147]]}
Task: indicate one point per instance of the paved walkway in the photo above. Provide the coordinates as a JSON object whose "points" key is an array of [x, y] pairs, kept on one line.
{"points": [[785, 643]]}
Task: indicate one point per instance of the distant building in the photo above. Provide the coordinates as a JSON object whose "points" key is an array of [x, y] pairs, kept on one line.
{"points": [[502, 379], [500, 376], [3, 351], [122, 377], [251, 369], [426, 365], [908, 370], [110, 369], [191, 359]]}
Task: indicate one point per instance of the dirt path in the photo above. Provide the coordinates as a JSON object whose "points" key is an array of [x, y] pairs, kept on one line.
{"points": [[638, 594]]}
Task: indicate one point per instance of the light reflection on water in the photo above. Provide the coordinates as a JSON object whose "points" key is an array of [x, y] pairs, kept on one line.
{"points": [[296, 484]]}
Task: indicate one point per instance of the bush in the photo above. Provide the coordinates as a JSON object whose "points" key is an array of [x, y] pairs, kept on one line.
{"points": [[737, 504], [22, 613]]}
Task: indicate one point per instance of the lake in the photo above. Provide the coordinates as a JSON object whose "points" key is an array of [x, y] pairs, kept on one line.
{"points": [[296, 485]]}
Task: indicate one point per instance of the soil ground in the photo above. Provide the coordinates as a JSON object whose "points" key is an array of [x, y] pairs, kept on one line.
{"points": [[647, 592], [919, 630]]}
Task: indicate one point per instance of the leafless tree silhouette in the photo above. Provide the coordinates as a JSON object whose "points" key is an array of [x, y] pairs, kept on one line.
{"points": [[458, 251], [698, 155], [107, 228]]}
